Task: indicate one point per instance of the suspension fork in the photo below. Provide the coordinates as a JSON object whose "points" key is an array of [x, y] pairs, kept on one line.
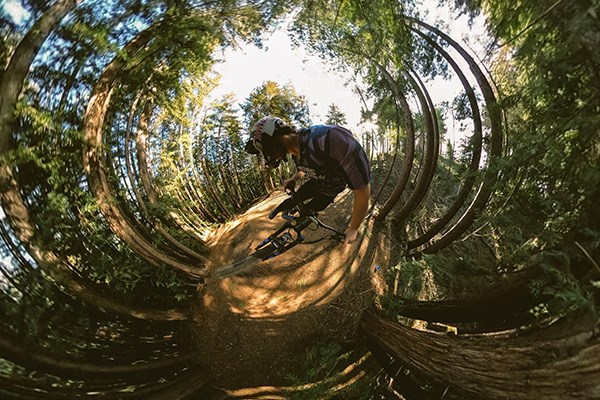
{"points": [[283, 241]]}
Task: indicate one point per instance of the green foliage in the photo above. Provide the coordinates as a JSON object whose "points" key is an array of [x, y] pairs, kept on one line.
{"points": [[9, 38], [369, 37], [214, 161], [387, 112], [335, 116], [553, 115], [321, 358], [558, 288], [546, 71], [66, 216], [320, 375], [356, 31], [547, 74], [271, 99]]}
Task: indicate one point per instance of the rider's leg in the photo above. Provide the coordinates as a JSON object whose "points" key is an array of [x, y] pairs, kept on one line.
{"points": [[319, 202], [307, 191], [319, 193]]}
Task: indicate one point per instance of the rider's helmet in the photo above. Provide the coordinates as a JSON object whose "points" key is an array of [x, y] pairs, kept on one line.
{"points": [[262, 139]]}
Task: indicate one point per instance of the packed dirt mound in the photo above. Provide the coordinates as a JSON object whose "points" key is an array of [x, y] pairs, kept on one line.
{"points": [[253, 329]]}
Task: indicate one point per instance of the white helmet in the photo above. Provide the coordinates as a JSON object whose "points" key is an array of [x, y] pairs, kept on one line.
{"points": [[260, 141]]}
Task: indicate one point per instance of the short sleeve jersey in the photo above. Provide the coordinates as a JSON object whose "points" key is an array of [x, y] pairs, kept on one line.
{"points": [[333, 157]]}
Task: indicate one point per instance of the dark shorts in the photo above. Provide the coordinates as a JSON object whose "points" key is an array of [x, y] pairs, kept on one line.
{"points": [[312, 192]]}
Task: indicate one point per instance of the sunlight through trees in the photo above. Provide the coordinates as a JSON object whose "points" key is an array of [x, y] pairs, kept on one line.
{"points": [[477, 275]]}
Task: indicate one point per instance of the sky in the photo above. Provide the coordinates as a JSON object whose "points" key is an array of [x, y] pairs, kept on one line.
{"points": [[245, 68], [14, 9], [248, 67]]}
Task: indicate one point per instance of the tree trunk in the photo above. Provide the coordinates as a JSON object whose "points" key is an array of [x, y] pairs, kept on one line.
{"points": [[410, 147], [430, 154], [504, 304], [10, 88], [133, 180], [496, 131], [489, 368], [212, 189], [42, 361], [10, 196], [227, 179], [95, 170], [194, 381]]}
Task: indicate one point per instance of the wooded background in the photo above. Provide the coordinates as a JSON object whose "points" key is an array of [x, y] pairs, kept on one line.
{"points": [[114, 166]]}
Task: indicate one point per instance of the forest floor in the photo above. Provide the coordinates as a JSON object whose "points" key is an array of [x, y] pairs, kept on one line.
{"points": [[256, 327]]}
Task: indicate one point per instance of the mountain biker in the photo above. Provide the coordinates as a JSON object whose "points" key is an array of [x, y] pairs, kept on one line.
{"points": [[329, 156]]}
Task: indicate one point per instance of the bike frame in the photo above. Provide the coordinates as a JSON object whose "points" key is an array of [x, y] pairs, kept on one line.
{"points": [[282, 239]]}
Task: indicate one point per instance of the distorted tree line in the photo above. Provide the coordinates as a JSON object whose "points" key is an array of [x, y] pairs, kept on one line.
{"points": [[115, 164]]}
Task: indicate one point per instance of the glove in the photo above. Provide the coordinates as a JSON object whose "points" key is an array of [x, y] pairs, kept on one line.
{"points": [[285, 205], [289, 185]]}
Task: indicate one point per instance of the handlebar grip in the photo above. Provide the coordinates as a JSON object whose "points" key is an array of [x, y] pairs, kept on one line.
{"points": [[273, 213]]}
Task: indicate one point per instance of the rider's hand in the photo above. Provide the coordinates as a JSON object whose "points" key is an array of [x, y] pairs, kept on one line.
{"points": [[289, 184], [284, 206], [351, 235]]}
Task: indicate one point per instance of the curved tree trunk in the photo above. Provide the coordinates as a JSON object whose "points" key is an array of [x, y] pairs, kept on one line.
{"points": [[142, 159], [10, 88], [197, 181], [236, 178], [40, 360], [165, 383], [494, 369], [494, 114], [212, 189], [410, 146], [95, 170], [476, 140], [133, 180], [147, 231], [10, 196], [430, 153], [506, 302], [226, 178]]}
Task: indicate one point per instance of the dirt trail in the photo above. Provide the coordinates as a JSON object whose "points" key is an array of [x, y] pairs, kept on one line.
{"points": [[254, 328]]}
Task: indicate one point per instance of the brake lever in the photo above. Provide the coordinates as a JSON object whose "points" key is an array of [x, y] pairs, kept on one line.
{"points": [[339, 236]]}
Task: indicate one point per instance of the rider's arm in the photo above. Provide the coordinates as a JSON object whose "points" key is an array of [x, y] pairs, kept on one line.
{"points": [[344, 149], [298, 175], [360, 206], [359, 211], [292, 181]]}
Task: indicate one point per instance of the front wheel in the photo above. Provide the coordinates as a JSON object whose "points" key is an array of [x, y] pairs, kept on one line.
{"points": [[247, 263]]}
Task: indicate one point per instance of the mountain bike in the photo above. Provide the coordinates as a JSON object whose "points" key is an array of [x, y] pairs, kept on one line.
{"points": [[298, 218]]}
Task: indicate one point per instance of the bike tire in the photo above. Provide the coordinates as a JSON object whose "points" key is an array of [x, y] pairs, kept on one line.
{"points": [[265, 252], [245, 264]]}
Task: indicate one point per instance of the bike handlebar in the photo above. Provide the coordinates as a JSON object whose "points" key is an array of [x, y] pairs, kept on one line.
{"points": [[291, 206], [282, 239]]}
